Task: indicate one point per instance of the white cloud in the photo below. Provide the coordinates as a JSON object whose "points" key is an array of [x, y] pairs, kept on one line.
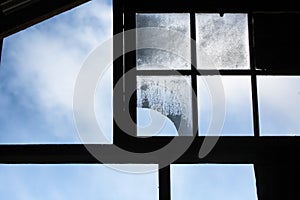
{"points": [[47, 57], [49, 61]]}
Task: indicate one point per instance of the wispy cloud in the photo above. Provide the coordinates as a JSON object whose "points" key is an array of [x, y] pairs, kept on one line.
{"points": [[42, 62]]}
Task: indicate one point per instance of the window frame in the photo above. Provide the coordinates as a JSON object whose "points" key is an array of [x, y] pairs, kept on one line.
{"points": [[263, 152], [130, 8]]}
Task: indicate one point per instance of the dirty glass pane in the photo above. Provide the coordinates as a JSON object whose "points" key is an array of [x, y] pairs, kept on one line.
{"points": [[167, 96], [222, 42], [279, 108], [213, 182], [167, 49], [238, 106]]}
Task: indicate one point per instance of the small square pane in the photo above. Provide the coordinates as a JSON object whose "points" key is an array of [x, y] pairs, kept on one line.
{"points": [[164, 102], [277, 41], [213, 182], [222, 42], [173, 41], [279, 108], [238, 105]]}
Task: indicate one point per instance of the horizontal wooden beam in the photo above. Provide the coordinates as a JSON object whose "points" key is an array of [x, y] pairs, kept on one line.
{"points": [[219, 6], [243, 150], [31, 13]]}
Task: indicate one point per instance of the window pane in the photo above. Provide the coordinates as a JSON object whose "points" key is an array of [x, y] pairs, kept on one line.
{"points": [[277, 42], [150, 58], [213, 182], [238, 106], [171, 97], [75, 182], [279, 108], [38, 73], [222, 42]]}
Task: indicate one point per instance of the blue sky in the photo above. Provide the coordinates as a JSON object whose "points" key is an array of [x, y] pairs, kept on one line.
{"points": [[213, 182], [39, 70], [38, 73], [78, 182]]}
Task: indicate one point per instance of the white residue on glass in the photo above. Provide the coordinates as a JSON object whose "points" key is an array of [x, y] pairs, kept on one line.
{"points": [[148, 58], [222, 42], [169, 95]]}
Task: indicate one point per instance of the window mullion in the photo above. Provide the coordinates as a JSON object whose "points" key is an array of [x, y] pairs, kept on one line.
{"points": [[253, 77], [164, 183], [1, 45], [194, 72]]}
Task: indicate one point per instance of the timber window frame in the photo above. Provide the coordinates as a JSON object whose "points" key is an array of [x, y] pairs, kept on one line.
{"points": [[272, 156]]}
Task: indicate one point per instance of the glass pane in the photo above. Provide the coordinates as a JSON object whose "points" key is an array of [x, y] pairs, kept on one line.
{"points": [[238, 106], [168, 96], [279, 108], [150, 58], [213, 182], [222, 42], [38, 73], [277, 42], [75, 182]]}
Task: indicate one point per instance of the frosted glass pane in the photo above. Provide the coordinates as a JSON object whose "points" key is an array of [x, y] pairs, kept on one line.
{"points": [[222, 42], [279, 107], [170, 96], [213, 182], [76, 182], [149, 58], [238, 106]]}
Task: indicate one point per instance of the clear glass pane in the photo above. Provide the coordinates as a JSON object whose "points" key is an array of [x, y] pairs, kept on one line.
{"points": [[75, 182], [38, 74], [222, 42], [168, 96], [238, 106], [213, 182], [279, 108], [154, 58]]}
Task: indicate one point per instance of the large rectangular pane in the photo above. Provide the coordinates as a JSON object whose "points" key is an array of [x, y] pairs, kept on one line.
{"points": [[222, 42], [168, 49], [38, 74], [213, 182], [279, 107], [236, 91], [165, 103], [76, 182]]}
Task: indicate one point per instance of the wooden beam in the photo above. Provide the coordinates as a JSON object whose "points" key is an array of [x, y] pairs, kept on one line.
{"points": [[219, 6], [33, 13], [231, 150]]}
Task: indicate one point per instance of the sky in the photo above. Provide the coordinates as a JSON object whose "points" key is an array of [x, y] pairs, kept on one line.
{"points": [[38, 73], [78, 182]]}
